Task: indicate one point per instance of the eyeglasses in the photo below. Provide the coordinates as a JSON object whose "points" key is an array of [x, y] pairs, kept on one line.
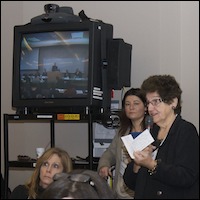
{"points": [[154, 102], [79, 178], [82, 178]]}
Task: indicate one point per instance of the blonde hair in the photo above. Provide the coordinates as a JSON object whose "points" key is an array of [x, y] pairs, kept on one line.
{"points": [[33, 184]]}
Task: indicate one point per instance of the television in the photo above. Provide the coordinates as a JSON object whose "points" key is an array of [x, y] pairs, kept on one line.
{"points": [[57, 67]]}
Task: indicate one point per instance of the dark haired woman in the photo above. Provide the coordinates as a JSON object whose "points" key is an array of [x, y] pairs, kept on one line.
{"points": [[132, 121], [78, 184], [172, 170]]}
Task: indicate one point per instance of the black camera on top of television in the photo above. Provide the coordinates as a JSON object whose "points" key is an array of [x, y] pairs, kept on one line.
{"points": [[56, 14], [51, 8]]}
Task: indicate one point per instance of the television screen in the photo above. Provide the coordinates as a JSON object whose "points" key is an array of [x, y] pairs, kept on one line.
{"points": [[59, 66], [54, 65]]}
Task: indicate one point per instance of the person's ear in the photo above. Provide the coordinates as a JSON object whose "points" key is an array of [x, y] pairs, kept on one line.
{"points": [[174, 103]]}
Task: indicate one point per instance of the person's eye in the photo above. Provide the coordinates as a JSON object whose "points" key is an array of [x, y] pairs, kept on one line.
{"points": [[56, 166], [155, 101], [45, 164]]}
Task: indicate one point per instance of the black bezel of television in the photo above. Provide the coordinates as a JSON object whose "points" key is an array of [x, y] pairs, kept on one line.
{"points": [[46, 58]]}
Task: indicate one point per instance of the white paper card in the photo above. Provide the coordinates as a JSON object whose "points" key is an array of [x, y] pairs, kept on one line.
{"points": [[139, 143]]}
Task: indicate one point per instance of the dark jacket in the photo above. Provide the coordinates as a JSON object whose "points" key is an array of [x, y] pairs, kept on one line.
{"points": [[21, 192], [177, 175]]}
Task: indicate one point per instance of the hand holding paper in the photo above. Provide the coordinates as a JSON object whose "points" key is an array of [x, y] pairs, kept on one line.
{"points": [[137, 144]]}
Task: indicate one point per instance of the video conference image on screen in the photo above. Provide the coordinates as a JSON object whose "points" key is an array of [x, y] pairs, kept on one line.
{"points": [[54, 65]]}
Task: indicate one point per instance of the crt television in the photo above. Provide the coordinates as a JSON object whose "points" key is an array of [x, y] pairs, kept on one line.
{"points": [[58, 67]]}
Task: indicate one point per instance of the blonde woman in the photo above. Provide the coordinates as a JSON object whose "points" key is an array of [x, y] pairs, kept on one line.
{"points": [[53, 161]]}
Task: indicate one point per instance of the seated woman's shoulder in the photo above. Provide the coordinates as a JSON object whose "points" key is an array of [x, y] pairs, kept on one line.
{"points": [[20, 192]]}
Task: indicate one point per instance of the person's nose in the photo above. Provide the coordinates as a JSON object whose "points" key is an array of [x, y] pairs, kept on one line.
{"points": [[150, 107], [132, 106], [49, 168]]}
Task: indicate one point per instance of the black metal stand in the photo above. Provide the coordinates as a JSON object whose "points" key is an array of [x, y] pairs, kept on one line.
{"points": [[48, 118]]}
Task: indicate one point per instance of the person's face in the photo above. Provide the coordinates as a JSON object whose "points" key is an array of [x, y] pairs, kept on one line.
{"points": [[134, 107], [49, 168], [160, 111]]}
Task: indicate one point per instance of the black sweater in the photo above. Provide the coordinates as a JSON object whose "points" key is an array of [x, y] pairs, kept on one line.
{"points": [[177, 175], [21, 192]]}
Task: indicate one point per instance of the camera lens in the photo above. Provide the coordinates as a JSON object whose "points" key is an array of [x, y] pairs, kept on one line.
{"points": [[51, 8]]}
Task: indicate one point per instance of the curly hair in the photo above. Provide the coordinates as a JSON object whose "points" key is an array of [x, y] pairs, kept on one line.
{"points": [[166, 86]]}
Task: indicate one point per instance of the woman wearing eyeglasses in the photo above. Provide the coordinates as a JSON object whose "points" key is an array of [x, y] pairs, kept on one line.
{"points": [[53, 161], [172, 170]]}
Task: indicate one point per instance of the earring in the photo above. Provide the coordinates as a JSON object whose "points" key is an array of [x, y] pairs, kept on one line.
{"points": [[173, 107]]}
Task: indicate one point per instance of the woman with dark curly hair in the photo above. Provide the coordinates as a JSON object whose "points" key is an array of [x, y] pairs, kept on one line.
{"points": [[169, 170]]}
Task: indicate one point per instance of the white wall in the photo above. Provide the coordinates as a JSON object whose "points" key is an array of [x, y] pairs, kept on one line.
{"points": [[165, 39]]}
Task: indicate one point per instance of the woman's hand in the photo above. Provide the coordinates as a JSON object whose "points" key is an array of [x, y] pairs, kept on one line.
{"points": [[105, 172], [144, 157]]}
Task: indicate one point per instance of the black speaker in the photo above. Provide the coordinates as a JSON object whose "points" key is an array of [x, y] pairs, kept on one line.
{"points": [[119, 64]]}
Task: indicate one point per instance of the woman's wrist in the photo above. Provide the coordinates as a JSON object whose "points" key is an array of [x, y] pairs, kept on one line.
{"points": [[136, 168], [153, 170]]}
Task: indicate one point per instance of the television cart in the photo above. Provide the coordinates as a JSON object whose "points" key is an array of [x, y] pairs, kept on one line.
{"points": [[52, 119]]}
